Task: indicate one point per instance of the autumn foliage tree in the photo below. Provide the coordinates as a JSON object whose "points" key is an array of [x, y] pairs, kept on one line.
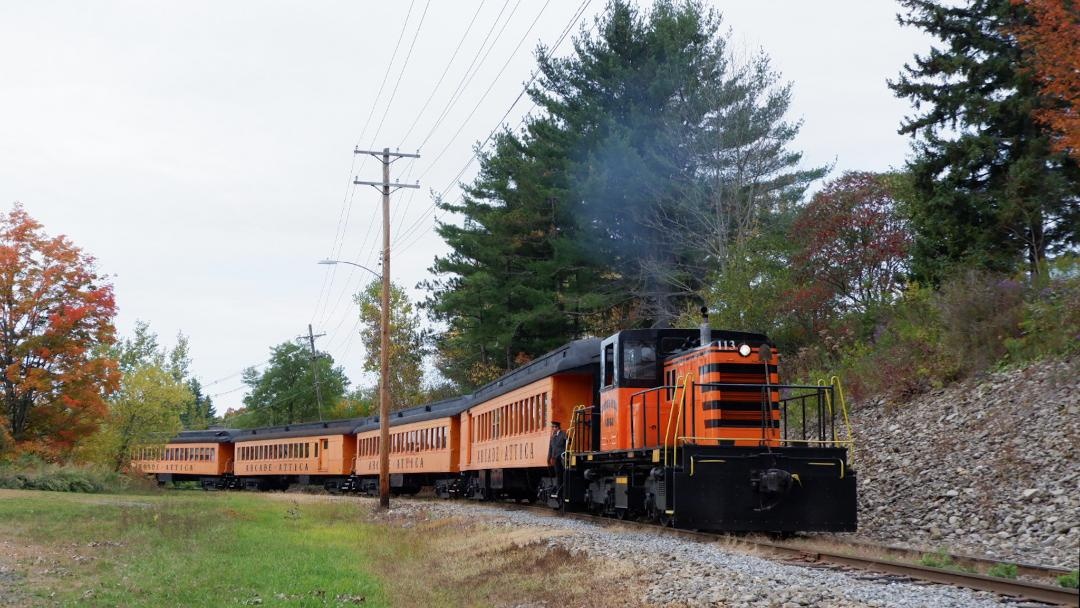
{"points": [[854, 247], [56, 318], [1052, 41]]}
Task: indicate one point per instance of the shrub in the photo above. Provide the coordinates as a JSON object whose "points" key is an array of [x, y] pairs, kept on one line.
{"points": [[1002, 570], [1050, 324], [28, 474], [1070, 580], [905, 356], [928, 338], [978, 312]]}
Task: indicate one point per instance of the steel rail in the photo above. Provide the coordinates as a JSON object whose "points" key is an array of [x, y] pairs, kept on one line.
{"points": [[960, 560]]}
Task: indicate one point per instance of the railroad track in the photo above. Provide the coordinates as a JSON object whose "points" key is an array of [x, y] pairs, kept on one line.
{"points": [[851, 558]]}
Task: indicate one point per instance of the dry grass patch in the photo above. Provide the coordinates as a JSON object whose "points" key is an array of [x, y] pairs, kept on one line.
{"points": [[460, 562], [27, 565]]}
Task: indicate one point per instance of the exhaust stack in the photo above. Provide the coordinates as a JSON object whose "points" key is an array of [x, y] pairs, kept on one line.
{"points": [[706, 330]]}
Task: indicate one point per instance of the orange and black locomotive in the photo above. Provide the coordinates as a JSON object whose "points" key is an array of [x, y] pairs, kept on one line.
{"points": [[694, 428]]}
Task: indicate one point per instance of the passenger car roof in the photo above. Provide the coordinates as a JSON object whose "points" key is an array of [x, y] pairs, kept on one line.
{"points": [[205, 436], [303, 429], [576, 355]]}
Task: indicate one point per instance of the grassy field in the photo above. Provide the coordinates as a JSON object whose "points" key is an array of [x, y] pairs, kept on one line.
{"points": [[235, 549]]}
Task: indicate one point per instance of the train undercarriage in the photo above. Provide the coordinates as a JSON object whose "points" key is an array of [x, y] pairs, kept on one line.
{"points": [[720, 488]]}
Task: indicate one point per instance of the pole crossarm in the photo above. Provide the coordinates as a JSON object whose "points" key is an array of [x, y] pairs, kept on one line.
{"points": [[394, 185], [378, 153]]}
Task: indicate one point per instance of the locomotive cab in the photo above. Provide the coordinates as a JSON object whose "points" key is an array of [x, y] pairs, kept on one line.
{"points": [[703, 374]]}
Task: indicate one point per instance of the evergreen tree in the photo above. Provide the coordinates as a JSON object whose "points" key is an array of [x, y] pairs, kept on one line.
{"points": [[517, 279], [199, 412], [677, 149], [615, 206], [627, 103], [991, 190]]}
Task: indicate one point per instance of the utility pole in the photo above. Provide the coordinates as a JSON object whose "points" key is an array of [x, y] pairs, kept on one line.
{"points": [[384, 338], [315, 368]]}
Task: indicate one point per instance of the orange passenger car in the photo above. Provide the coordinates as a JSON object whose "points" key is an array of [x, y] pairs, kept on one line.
{"points": [[423, 446], [275, 457], [505, 434], [190, 456]]}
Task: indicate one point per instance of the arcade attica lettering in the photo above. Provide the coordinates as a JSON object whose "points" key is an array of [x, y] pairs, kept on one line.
{"points": [[510, 452]]}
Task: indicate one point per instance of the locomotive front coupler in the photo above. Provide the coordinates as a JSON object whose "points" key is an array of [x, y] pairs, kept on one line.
{"points": [[772, 485]]}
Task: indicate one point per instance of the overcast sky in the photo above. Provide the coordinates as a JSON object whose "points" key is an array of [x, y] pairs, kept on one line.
{"points": [[202, 151]]}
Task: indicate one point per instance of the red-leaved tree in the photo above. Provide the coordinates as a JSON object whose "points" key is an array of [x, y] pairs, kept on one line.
{"points": [[1052, 43], [853, 247], [56, 318]]}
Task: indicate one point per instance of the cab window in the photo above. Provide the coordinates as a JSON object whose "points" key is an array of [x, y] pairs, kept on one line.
{"points": [[639, 360], [608, 356]]}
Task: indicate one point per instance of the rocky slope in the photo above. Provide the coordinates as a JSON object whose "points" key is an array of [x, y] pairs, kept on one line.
{"points": [[986, 467]]}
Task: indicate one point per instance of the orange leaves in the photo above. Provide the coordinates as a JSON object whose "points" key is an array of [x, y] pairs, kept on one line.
{"points": [[1053, 45], [55, 311]]}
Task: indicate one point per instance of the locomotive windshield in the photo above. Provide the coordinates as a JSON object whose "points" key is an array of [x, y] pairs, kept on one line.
{"points": [[635, 357], [639, 359]]}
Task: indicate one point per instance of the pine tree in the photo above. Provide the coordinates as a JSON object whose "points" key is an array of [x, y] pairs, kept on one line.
{"points": [[517, 280], [991, 190], [653, 149]]}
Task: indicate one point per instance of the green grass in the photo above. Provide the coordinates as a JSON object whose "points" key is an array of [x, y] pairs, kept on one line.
{"points": [[937, 559], [1002, 570], [1070, 580], [185, 549]]}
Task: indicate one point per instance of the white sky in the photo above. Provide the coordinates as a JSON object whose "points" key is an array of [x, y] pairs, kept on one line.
{"points": [[202, 151]]}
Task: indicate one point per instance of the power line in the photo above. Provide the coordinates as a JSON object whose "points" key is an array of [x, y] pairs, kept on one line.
{"points": [[233, 375], [360, 259], [314, 367], [401, 74], [378, 130], [300, 388], [411, 231], [328, 313], [346, 210], [476, 107], [408, 232], [445, 71], [469, 72], [239, 388]]}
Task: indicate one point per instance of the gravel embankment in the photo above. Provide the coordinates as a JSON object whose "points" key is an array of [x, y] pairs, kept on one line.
{"points": [[677, 572], [989, 467]]}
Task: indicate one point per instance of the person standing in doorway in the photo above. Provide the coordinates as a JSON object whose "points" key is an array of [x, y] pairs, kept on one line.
{"points": [[557, 450]]}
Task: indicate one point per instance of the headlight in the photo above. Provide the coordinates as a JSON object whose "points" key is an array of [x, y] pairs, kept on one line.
{"points": [[744, 350]]}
